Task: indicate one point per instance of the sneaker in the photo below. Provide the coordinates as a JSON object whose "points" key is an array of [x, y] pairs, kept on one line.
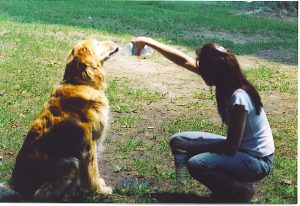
{"points": [[243, 195]]}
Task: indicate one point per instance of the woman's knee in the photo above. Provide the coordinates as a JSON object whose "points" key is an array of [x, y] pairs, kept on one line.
{"points": [[172, 138], [175, 136]]}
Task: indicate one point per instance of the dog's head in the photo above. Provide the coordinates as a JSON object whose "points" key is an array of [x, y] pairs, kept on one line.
{"points": [[84, 64]]}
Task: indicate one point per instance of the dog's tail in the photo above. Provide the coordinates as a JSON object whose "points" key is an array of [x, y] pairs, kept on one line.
{"points": [[8, 195]]}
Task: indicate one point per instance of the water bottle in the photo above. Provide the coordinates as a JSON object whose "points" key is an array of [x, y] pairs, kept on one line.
{"points": [[130, 49], [182, 174], [147, 51]]}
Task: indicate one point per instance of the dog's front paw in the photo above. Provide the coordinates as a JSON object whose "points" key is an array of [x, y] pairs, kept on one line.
{"points": [[104, 188]]}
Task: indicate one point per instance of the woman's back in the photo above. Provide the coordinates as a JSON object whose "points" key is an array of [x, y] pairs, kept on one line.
{"points": [[257, 138]]}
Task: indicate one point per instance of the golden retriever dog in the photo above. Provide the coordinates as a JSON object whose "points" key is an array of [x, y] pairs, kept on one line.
{"points": [[59, 153]]}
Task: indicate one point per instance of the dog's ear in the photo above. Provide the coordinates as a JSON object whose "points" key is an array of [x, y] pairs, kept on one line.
{"points": [[80, 65], [88, 57]]}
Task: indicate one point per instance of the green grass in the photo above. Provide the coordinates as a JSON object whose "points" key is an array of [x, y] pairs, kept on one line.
{"points": [[269, 78], [119, 90], [140, 18], [204, 95], [35, 37], [131, 145], [6, 169]]}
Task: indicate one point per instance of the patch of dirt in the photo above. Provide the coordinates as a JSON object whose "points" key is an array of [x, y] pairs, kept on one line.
{"points": [[6, 48], [234, 37], [156, 73], [254, 61], [7, 156], [271, 100], [285, 10], [2, 58], [279, 55], [69, 36], [4, 32]]}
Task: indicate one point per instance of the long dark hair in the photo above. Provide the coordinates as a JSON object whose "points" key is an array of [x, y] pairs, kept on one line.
{"points": [[219, 67]]}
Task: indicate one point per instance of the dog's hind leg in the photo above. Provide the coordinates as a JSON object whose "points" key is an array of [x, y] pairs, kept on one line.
{"points": [[63, 180]]}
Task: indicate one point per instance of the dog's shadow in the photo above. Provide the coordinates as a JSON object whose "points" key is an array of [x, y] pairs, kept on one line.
{"points": [[176, 197]]}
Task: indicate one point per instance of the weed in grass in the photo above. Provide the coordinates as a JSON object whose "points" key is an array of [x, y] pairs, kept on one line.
{"points": [[142, 166], [120, 168], [126, 108], [131, 145], [140, 130], [204, 95], [126, 121], [154, 136], [122, 108]]}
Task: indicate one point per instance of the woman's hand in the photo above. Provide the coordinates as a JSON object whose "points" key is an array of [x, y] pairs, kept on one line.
{"points": [[140, 43], [189, 146], [179, 143]]}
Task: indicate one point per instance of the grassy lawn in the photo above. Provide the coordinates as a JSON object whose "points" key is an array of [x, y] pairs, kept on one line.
{"points": [[35, 37]]}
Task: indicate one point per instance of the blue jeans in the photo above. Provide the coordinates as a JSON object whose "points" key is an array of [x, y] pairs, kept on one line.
{"points": [[240, 166]]}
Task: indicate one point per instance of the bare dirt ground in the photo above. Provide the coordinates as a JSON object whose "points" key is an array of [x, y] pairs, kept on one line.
{"points": [[176, 84]]}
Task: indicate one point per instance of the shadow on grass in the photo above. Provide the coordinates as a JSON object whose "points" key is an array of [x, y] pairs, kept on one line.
{"points": [[176, 197]]}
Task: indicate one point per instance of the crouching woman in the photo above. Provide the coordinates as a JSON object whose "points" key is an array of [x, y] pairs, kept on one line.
{"points": [[230, 165]]}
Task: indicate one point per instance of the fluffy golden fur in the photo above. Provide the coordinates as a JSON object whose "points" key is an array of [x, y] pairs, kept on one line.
{"points": [[60, 149]]}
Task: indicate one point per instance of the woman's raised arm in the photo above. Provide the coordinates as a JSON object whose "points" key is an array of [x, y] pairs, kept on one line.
{"points": [[170, 53]]}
